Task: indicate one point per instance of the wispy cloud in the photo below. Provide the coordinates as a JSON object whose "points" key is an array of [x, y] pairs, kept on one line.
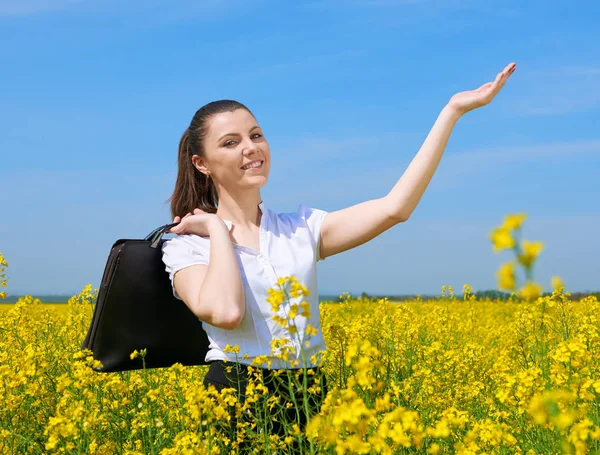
{"points": [[340, 150], [156, 9], [388, 4], [457, 168], [399, 12], [26, 7], [479, 161], [358, 177], [554, 91], [305, 62], [487, 157]]}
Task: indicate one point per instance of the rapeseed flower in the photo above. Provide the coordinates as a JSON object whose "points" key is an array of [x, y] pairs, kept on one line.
{"points": [[506, 276], [514, 221], [417, 376], [502, 239], [530, 251], [530, 291], [557, 283]]}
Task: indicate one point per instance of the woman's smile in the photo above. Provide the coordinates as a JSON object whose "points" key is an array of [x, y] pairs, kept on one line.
{"points": [[253, 166]]}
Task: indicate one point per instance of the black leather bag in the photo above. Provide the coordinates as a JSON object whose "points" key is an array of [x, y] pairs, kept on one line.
{"points": [[136, 309]]}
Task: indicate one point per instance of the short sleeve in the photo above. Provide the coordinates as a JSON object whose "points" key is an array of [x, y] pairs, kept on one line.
{"points": [[313, 219], [178, 253]]}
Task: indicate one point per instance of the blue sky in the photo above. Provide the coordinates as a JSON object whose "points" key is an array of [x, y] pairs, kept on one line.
{"points": [[96, 95]]}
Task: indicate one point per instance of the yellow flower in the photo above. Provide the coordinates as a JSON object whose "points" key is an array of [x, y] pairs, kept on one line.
{"points": [[554, 407], [305, 309], [260, 360], [467, 289], [557, 283], [506, 276], [293, 311], [530, 291], [310, 330], [235, 348], [514, 221], [502, 239], [297, 289], [281, 322], [531, 251], [275, 298]]}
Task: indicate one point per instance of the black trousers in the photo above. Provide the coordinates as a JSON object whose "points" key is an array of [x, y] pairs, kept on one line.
{"points": [[275, 419]]}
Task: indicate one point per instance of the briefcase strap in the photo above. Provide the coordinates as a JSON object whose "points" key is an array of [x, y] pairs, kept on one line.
{"points": [[155, 236]]}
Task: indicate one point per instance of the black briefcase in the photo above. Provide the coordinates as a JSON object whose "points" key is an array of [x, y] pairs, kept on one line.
{"points": [[136, 310]]}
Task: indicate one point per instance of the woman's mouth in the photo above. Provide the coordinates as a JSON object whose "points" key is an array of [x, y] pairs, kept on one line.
{"points": [[254, 165]]}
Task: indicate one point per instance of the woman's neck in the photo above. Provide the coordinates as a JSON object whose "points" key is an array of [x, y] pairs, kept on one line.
{"points": [[242, 211]]}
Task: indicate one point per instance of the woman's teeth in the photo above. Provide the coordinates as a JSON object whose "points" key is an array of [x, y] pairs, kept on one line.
{"points": [[253, 165]]}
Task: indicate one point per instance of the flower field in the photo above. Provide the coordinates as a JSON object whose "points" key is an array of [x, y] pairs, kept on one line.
{"points": [[452, 375]]}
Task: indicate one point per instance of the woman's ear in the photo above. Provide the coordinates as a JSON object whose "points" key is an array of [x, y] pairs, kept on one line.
{"points": [[199, 164]]}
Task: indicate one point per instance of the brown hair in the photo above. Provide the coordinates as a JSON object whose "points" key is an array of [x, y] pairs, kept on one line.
{"points": [[192, 188]]}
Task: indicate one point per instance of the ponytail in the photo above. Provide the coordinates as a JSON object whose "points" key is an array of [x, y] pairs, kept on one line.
{"points": [[193, 189]]}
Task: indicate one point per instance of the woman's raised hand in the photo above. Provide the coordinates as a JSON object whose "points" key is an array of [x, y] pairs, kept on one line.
{"points": [[193, 223], [464, 102]]}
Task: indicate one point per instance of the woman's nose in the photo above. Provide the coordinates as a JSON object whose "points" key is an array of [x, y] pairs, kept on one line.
{"points": [[250, 147]]}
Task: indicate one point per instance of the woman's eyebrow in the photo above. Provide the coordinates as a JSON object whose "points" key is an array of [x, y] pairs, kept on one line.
{"points": [[235, 134]]}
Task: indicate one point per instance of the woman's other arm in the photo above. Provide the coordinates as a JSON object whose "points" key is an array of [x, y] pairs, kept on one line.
{"points": [[347, 228], [214, 292]]}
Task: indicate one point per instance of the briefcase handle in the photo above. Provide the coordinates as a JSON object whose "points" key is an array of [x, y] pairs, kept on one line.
{"points": [[155, 236]]}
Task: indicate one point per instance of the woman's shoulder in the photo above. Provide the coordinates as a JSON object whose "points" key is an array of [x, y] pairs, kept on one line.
{"points": [[301, 214], [180, 241], [304, 217]]}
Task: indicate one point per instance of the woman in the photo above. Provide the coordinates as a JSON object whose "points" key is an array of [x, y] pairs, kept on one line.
{"points": [[231, 248]]}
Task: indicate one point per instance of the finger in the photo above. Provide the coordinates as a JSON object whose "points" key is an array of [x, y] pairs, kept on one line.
{"points": [[197, 211], [508, 68], [484, 86], [496, 86], [501, 78], [493, 85], [175, 220]]}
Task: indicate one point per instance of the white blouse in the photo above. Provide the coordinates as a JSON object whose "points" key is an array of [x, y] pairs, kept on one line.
{"points": [[289, 245]]}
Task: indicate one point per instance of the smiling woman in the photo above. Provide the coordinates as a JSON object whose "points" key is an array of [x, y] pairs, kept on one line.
{"points": [[231, 249]]}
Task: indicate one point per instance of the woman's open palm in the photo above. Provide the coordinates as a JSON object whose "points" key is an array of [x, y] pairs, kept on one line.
{"points": [[466, 101]]}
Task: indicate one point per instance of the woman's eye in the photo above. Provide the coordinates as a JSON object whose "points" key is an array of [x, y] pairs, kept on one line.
{"points": [[228, 143], [257, 135]]}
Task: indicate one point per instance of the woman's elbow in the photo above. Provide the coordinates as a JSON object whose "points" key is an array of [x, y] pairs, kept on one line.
{"points": [[229, 320], [231, 323]]}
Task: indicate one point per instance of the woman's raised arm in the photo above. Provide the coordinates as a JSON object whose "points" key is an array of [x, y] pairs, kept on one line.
{"points": [[350, 227]]}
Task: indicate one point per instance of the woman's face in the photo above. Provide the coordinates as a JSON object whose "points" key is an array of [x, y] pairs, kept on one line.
{"points": [[234, 140]]}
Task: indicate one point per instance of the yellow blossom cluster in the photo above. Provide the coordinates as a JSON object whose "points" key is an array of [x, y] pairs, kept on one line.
{"points": [[472, 375], [3, 280], [503, 237], [423, 376]]}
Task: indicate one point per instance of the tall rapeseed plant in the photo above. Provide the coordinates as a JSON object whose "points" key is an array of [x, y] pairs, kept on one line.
{"points": [[3, 280], [507, 237]]}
